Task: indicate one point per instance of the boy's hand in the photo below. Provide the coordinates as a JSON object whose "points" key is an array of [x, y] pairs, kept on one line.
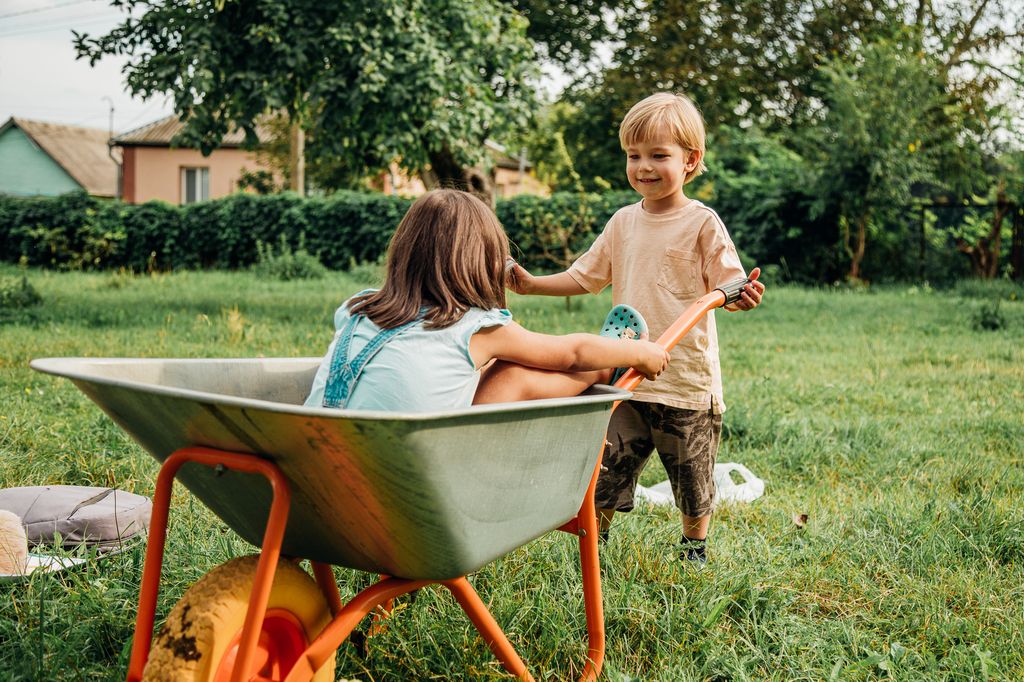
{"points": [[653, 358], [517, 278], [752, 293]]}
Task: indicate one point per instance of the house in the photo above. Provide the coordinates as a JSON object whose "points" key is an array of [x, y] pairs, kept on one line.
{"points": [[38, 158], [154, 169], [514, 176], [509, 177]]}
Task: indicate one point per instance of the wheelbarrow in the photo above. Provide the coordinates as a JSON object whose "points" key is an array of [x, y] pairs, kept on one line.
{"points": [[412, 497]]}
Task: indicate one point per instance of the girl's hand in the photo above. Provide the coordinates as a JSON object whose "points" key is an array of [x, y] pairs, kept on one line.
{"points": [[750, 298], [653, 358], [517, 278]]}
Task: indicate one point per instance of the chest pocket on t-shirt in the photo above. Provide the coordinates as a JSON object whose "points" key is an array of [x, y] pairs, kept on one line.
{"points": [[680, 272]]}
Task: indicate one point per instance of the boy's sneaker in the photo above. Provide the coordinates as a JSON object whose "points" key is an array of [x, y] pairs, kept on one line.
{"points": [[693, 552]]}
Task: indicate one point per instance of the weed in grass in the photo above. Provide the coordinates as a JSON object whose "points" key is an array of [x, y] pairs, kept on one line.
{"points": [[988, 317], [991, 289], [120, 278], [369, 274], [236, 325], [287, 264], [16, 295]]}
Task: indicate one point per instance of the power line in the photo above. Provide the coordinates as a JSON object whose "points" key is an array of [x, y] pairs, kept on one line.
{"points": [[36, 10], [87, 22]]}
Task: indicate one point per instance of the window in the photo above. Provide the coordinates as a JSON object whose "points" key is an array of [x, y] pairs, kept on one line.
{"points": [[195, 185]]}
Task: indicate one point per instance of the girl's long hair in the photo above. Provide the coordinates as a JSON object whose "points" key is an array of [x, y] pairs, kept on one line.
{"points": [[447, 255]]}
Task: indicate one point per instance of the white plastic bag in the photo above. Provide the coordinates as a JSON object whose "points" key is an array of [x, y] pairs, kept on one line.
{"points": [[728, 490], [660, 494], [749, 489]]}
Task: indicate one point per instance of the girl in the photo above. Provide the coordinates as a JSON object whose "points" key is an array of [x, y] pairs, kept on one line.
{"points": [[437, 336]]}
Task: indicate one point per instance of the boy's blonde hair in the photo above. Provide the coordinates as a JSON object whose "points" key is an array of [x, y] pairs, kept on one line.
{"points": [[668, 115]]}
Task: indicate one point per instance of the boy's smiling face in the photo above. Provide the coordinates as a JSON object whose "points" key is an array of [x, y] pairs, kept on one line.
{"points": [[657, 169]]}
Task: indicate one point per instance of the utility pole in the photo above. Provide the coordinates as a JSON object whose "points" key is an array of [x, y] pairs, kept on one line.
{"points": [[297, 158], [522, 170], [110, 150]]}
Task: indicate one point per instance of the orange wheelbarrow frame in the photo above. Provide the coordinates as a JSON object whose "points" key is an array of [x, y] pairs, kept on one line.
{"points": [[347, 616]]}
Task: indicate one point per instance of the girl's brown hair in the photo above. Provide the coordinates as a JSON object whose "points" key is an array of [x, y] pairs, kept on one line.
{"points": [[447, 255]]}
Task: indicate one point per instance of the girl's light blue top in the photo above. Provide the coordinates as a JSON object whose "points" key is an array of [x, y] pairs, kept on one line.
{"points": [[420, 370]]}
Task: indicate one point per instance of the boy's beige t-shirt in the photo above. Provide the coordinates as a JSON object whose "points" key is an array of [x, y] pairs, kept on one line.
{"points": [[660, 264]]}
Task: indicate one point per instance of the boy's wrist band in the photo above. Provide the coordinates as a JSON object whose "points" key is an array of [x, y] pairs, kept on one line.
{"points": [[733, 289]]}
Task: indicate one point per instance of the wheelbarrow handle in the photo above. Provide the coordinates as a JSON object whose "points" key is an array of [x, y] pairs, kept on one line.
{"points": [[723, 295]]}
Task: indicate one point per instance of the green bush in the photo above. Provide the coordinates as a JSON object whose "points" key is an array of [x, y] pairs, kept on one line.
{"points": [[548, 233], [154, 238], [760, 190], [73, 231], [347, 228], [351, 227]]}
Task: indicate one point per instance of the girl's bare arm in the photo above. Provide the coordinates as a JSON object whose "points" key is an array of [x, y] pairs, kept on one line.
{"points": [[569, 353]]}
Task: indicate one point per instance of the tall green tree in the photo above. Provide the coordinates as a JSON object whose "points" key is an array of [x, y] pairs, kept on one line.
{"points": [[425, 81], [880, 133]]}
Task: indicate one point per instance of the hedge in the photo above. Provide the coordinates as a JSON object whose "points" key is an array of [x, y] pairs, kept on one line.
{"points": [[76, 231]]}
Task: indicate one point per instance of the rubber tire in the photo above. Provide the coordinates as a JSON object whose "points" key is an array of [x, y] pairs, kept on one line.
{"points": [[190, 645]]}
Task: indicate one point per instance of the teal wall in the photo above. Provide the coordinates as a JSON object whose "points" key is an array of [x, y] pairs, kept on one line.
{"points": [[27, 169]]}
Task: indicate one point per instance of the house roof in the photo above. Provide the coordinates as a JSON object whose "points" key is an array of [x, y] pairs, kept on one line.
{"points": [[81, 152], [502, 158], [160, 133]]}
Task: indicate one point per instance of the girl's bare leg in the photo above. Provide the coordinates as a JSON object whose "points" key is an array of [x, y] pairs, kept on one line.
{"points": [[506, 382]]}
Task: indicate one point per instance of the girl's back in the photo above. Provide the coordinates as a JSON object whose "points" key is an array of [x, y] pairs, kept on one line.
{"points": [[416, 370]]}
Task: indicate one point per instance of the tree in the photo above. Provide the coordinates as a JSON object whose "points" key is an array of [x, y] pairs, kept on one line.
{"points": [[567, 31], [423, 81], [744, 63], [880, 133], [757, 63], [982, 241]]}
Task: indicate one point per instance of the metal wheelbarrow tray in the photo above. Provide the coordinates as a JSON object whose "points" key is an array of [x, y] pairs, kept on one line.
{"points": [[420, 495]]}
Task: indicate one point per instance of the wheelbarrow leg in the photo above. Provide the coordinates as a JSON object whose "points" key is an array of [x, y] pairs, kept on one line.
{"points": [[584, 526], [487, 627], [328, 586], [591, 570], [331, 637], [273, 536]]}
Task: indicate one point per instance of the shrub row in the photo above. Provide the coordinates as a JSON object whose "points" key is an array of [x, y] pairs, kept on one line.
{"points": [[76, 231]]}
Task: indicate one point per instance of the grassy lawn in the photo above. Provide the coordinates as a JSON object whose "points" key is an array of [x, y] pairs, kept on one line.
{"points": [[887, 416]]}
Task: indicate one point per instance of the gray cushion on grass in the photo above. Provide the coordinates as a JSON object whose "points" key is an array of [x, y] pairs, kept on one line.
{"points": [[102, 518]]}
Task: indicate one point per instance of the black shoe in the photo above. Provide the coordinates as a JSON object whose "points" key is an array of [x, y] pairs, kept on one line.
{"points": [[693, 552]]}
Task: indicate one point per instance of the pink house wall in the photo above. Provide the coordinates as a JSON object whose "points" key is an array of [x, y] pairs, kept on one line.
{"points": [[155, 172]]}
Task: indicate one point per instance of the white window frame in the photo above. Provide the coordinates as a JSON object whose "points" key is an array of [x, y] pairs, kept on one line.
{"points": [[200, 182]]}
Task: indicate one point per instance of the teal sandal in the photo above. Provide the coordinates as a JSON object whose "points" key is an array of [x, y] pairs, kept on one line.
{"points": [[623, 322]]}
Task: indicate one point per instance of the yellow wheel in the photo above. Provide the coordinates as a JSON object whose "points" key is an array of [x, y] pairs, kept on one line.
{"points": [[199, 641]]}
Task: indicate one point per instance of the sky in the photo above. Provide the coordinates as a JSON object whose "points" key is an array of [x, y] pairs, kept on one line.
{"points": [[41, 80]]}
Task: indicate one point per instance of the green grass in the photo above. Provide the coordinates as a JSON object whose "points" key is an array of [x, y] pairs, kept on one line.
{"points": [[888, 416]]}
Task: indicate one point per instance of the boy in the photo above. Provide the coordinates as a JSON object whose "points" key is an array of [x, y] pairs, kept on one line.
{"points": [[660, 255]]}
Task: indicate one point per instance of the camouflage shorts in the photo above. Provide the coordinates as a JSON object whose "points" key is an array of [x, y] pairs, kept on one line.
{"points": [[687, 442]]}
